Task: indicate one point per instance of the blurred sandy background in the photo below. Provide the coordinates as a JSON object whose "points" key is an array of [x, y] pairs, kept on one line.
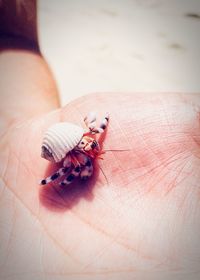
{"points": [[121, 45]]}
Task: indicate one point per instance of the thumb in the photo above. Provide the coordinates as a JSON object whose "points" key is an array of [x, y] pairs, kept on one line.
{"points": [[27, 87]]}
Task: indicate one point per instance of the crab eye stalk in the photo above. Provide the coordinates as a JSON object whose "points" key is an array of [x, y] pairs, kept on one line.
{"points": [[81, 144], [95, 145]]}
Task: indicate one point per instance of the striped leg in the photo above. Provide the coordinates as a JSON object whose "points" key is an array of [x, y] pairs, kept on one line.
{"points": [[87, 170], [102, 126], [70, 178], [90, 120], [62, 171]]}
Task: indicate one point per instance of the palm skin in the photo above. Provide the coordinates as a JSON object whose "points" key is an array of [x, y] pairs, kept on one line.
{"points": [[137, 218]]}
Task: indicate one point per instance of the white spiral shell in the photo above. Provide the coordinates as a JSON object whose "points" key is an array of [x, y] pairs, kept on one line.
{"points": [[59, 139]]}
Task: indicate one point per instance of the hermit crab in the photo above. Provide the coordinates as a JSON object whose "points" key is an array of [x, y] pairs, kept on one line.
{"points": [[75, 147]]}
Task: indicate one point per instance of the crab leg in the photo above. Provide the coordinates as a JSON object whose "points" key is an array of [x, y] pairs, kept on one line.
{"points": [[102, 126], [62, 171], [70, 178], [87, 170], [90, 120]]}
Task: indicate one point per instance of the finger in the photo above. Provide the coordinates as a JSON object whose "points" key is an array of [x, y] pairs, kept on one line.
{"points": [[27, 87]]}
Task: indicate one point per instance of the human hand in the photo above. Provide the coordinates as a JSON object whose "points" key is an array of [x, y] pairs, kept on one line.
{"points": [[138, 217]]}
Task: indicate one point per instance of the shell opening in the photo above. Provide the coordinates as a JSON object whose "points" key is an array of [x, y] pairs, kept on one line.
{"points": [[46, 154]]}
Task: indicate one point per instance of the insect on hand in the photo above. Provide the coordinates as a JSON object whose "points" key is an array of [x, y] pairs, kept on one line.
{"points": [[75, 147]]}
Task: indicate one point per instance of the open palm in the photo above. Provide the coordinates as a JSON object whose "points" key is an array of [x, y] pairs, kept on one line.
{"points": [[138, 216]]}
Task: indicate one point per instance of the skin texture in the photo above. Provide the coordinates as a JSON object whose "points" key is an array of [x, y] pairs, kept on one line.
{"points": [[137, 218]]}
